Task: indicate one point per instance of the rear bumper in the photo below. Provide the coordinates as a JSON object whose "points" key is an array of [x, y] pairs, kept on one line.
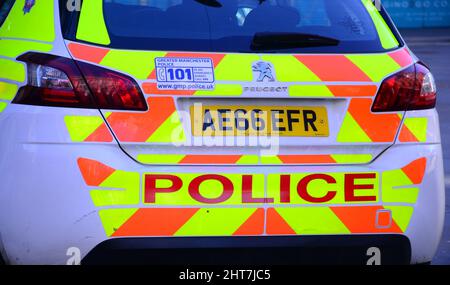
{"points": [[47, 208], [295, 250]]}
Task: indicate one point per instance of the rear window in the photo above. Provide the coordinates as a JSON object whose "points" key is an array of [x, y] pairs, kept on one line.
{"points": [[278, 26], [5, 7]]}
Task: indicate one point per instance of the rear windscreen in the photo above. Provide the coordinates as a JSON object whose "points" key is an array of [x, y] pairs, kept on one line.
{"points": [[278, 26]]}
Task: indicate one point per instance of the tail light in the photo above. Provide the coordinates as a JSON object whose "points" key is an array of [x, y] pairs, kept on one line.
{"points": [[62, 82], [411, 89], [113, 90]]}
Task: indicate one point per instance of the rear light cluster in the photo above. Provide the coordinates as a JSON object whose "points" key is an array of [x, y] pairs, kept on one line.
{"points": [[62, 82], [410, 89]]}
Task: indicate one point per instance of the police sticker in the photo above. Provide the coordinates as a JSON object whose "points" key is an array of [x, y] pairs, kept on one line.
{"points": [[177, 73]]}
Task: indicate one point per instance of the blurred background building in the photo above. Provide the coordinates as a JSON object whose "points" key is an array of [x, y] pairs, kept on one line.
{"points": [[419, 13]]}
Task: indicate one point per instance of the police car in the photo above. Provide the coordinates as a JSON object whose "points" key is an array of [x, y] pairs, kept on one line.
{"points": [[215, 132]]}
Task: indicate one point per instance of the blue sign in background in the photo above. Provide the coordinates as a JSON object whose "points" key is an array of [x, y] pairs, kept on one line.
{"points": [[419, 13]]}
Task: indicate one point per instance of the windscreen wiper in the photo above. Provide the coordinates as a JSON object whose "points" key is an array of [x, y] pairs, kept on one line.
{"points": [[210, 3], [274, 41]]}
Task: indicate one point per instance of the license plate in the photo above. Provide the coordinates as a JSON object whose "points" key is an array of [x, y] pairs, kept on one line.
{"points": [[287, 121]]}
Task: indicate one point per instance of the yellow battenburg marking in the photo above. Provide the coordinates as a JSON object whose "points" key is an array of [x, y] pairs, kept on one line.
{"points": [[12, 70], [160, 158], [271, 159], [3, 106], [395, 188], [222, 90], [171, 131], [313, 220], [401, 215], [248, 159], [310, 91], [38, 24], [8, 90], [14, 48], [126, 190], [113, 219], [236, 67], [209, 189], [215, 222], [137, 63], [290, 69], [352, 158], [177, 158], [319, 188], [387, 38], [418, 126], [91, 25], [81, 127], [351, 132], [376, 66]]}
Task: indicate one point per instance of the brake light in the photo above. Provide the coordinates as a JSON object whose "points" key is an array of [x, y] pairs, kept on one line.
{"points": [[411, 89], [57, 81], [113, 90]]}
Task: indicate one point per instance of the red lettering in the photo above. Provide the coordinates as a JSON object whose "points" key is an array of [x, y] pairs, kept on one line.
{"points": [[151, 189], [350, 187], [285, 189], [302, 188], [227, 191], [247, 192]]}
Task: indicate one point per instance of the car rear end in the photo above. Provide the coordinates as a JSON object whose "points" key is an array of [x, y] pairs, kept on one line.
{"points": [[215, 131]]}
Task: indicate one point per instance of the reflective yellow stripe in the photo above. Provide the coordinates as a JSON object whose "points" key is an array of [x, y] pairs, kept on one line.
{"points": [[290, 69], [91, 25], [112, 219], [12, 70], [210, 189], [177, 158], [137, 63], [215, 222], [38, 24], [14, 48], [313, 220], [387, 38], [319, 188], [310, 91], [418, 126], [401, 215], [236, 67], [7, 90], [3, 106], [222, 90], [351, 158], [394, 190], [171, 131], [376, 66], [248, 159], [270, 159], [81, 127], [126, 185], [160, 158], [351, 132]]}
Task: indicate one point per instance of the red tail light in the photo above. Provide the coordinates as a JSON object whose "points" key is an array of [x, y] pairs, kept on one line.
{"points": [[411, 89], [113, 90], [57, 81]]}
